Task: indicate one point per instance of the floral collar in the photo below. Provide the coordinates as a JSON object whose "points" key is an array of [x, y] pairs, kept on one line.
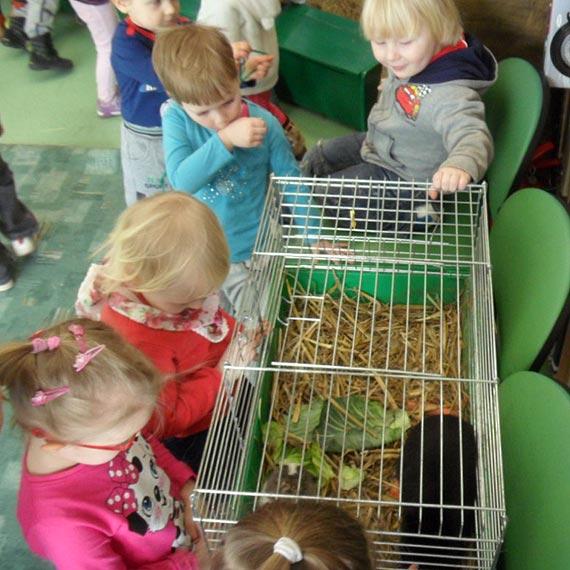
{"points": [[207, 321]]}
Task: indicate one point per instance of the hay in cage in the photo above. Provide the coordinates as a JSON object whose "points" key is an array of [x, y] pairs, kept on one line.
{"points": [[417, 339]]}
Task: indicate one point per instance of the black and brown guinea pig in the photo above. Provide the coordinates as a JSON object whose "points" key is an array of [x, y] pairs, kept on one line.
{"points": [[449, 480]]}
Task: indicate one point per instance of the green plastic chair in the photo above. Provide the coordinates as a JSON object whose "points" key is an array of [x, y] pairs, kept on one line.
{"points": [[535, 433], [530, 256], [515, 108]]}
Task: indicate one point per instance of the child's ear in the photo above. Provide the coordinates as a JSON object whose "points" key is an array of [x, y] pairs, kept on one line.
{"points": [[122, 5]]}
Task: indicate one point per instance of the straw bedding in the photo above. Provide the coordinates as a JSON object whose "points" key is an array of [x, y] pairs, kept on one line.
{"points": [[353, 329]]}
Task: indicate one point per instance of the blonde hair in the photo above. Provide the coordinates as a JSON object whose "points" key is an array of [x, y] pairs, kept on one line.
{"points": [[389, 19], [162, 239], [329, 539], [195, 64], [117, 383]]}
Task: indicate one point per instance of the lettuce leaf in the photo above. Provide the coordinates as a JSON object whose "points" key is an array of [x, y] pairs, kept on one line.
{"points": [[350, 477], [309, 419], [355, 423]]}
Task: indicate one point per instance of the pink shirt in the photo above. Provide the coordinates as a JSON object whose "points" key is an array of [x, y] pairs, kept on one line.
{"points": [[124, 514]]}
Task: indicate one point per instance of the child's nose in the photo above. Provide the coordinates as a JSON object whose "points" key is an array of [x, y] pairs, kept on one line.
{"points": [[391, 52]]}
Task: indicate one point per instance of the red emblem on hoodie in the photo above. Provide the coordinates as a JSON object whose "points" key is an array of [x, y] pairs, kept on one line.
{"points": [[409, 98]]}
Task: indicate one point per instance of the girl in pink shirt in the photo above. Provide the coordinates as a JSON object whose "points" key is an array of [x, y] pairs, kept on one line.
{"points": [[95, 492]]}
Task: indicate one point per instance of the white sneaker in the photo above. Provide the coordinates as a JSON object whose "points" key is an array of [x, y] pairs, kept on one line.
{"points": [[426, 215], [23, 246], [6, 285]]}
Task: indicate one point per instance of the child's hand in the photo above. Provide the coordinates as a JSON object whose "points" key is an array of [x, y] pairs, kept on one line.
{"points": [[330, 248], [193, 529], [249, 341], [247, 346], [241, 50], [257, 66], [448, 180], [246, 132]]}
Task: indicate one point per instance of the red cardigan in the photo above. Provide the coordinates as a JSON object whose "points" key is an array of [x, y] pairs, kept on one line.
{"points": [[186, 402]]}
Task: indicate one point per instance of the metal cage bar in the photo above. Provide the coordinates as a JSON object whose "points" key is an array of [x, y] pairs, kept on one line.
{"points": [[403, 327]]}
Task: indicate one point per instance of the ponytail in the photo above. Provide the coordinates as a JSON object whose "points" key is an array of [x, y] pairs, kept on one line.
{"points": [[305, 535]]}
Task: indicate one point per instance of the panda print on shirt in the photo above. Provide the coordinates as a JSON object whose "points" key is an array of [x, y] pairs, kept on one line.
{"points": [[142, 493]]}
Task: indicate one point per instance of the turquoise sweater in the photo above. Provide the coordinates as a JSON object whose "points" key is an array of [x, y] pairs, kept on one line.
{"points": [[233, 184]]}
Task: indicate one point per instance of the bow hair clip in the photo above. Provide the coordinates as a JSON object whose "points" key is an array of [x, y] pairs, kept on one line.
{"points": [[84, 356], [43, 344]]}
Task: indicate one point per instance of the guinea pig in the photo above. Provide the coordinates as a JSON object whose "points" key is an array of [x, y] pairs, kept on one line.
{"points": [[287, 479], [423, 471]]}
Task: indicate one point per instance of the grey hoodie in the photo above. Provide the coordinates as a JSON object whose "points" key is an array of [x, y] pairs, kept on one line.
{"points": [[436, 118]]}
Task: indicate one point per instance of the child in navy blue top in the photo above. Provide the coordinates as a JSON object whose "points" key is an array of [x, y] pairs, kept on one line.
{"points": [[142, 94]]}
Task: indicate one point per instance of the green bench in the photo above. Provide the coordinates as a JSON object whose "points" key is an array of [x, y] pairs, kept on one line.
{"points": [[326, 65]]}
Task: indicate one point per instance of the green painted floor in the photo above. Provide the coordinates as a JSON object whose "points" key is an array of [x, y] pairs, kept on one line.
{"points": [[67, 169]]}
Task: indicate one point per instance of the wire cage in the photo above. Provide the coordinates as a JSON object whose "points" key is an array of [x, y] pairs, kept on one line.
{"points": [[376, 388]]}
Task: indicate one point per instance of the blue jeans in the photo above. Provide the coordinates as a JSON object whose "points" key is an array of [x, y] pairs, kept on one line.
{"points": [[390, 209]]}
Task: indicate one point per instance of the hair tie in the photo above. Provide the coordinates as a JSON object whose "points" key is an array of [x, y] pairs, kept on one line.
{"points": [[289, 549]]}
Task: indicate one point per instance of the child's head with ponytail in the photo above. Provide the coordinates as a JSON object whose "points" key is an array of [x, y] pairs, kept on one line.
{"points": [[77, 381], [303, 535]]}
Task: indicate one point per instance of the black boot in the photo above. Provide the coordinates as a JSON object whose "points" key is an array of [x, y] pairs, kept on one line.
{"points": [[44, 55], [15, 37]]}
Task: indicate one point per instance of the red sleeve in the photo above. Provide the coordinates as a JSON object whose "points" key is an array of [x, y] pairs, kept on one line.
{"points": [[186, 403]]}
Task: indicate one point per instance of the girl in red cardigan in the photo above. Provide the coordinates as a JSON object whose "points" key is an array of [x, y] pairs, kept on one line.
{"points": [[164, 262]]}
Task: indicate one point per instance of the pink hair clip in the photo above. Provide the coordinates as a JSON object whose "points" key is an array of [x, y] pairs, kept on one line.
{"points": [[84, 358], [42, 344], [42, 397], [78, 333]]}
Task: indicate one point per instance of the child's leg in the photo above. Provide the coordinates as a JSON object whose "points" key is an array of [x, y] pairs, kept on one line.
{"points": [[101, 20], [328, 157], [39, 24], [40, 16], [2, 24], [264, 100], [373, 207], [188, 449], [16, 220], [142, 160], [15, 36], [231, 290]]}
